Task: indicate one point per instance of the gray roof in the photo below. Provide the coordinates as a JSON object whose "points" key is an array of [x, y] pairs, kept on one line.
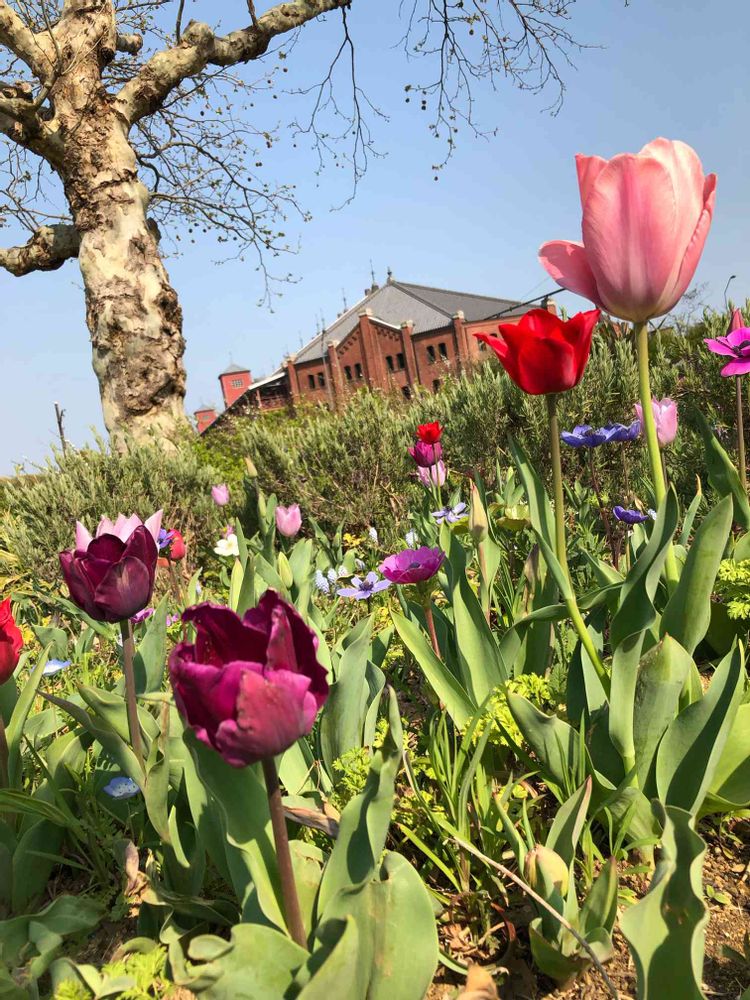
{"points": [[233, 369], [398, 301]]}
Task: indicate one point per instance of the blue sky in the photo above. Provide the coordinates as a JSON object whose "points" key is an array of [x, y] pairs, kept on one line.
{"points": [[655, 68]]}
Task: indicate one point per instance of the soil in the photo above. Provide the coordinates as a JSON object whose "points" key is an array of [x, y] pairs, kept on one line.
{"points": [[726, 878]]}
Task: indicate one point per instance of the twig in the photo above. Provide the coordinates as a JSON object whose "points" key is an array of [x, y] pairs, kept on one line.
{"points": [[545, 905]]}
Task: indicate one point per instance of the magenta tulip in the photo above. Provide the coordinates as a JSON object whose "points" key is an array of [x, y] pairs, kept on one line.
{"points": [[412, 565], [111, 577], [665, 417], [646, 217], [289, 520], [736, 345], [248, 687], [220, 494], [426, 454], [435, 475]]}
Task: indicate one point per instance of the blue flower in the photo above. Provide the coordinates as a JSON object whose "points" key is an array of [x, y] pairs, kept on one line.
{"points": [[622, 432], [321, 582], [629, 516], [584, 436], [362, 590], [53, 667], [451, 515], [165, 538], [121, 788]]}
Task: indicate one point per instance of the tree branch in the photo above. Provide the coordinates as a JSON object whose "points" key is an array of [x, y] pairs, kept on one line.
{"points": [[132, 44], [20, 121], [22, 41], [48, 249], [200, 47]]}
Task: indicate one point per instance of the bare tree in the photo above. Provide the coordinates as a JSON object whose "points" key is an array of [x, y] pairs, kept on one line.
{"points": [[119, 119]]}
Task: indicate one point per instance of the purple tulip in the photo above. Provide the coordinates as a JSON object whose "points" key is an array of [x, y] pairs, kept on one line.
{"points": [[362, 590], [629, 516], [412, 565], [248, 687], [665, 418], [111, 577], [736, 344], [289, 520], [220, 494], [426, 455], [433, 475]]}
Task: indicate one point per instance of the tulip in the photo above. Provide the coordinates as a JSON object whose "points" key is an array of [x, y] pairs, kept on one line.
{"points": [[412, 565], [665, 418], [426, 455], [220, 494], [542, 353], [176, 549], [111, 577], [248, 687], [11, 642], [433, 475], [546, 872], [122, 528], [289, 520], [646, 217], [430, 433]]}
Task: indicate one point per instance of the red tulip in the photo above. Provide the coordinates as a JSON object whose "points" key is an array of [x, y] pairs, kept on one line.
{"points": [[430, 433], [11, 642], [176, 548], [646, 217], [542, 353]]}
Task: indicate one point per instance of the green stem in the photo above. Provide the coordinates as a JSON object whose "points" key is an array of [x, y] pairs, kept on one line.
{"points": [[4, 757], [652, 441], [292, 911], [431, 626], [741, 436], [561, 544], [484, 581], [131, 704]]}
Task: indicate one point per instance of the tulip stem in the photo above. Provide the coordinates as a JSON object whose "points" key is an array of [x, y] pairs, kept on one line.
{"points": [[128, 653], [741, 436], [561, 545], [292, 911], [429, 618], [4, 757], [652, 441]]}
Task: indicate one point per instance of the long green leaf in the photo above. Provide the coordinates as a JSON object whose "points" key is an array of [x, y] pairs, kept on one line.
{"points": [[721, 472]]}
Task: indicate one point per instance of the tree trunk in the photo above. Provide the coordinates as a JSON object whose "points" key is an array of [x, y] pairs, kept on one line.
{"points": [[132, 311]]}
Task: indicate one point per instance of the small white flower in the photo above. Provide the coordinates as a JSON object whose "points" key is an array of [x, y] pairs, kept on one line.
{"points": [[227, 547], [332, 575], [412, 539], [372, 532]]}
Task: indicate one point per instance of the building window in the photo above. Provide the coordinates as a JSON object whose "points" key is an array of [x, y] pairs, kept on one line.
{"points": [[435, 384], [358, 370], [348, 372], [401, 361], [389, 362], [431, 356], [406, 391], [237, 383], [443, 350], [321, 380], [311, 381]]}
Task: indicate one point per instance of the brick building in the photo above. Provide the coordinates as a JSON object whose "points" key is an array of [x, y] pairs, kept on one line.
{"points": [[398, 336]]}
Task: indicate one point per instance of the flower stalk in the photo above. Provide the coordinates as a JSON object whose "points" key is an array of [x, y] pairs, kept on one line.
{"points": [[131, 704], [741, 435], [652, 441], [292, 911], [4, 757], [560, 541]]}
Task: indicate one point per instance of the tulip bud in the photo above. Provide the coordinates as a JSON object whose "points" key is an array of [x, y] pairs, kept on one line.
{"points": [[285, 571], [546, 872], [478, 523], [250, 466]]}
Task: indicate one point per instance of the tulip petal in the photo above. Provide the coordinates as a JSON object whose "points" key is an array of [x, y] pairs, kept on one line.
{"points": [[273, 711], [205, 695], [83, 537], [588, 168], [567, 263], [124, 590], [694, 248], [153, 525], [222, 636], [78, 584], [629, 233], [107, 547]]}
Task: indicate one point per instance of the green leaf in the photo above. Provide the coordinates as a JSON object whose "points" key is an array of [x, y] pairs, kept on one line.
{"points": [[342, 717], [335, 962], [569, 822], [459, 705], [688, 614], [721, 472], [14, 731], [730, 788], [540, 509], [666, 929], [151, 654], [693, 744], [553, 741]]}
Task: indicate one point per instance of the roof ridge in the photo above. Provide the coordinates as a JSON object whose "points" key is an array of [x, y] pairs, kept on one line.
{"points": [[455, 291], [406, 288]]}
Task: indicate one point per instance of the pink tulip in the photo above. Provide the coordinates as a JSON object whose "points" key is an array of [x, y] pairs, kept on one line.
{"points": [[736, 344], [646, 217], [435, 475], [665, 418], [220, 494], [289, 520]]}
